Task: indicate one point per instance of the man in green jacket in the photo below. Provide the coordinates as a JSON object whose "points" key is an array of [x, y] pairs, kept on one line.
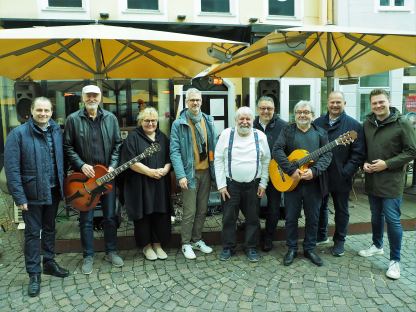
{"points": [[391, 144]]}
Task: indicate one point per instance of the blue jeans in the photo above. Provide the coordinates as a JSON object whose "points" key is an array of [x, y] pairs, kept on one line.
{"points": [[108, 206], [387, 209]]}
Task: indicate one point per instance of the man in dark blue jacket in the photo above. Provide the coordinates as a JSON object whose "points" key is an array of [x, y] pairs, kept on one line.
{"points": [[345, 162], [34, 169], [269, 123]]}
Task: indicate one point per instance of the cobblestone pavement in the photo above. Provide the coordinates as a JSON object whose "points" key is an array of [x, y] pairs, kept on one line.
{"points": [[349, 283]]}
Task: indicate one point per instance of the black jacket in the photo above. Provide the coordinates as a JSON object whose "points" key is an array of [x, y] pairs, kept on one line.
{"points": [[273, 129], [77, 149], [346, 159], [284, 147]]}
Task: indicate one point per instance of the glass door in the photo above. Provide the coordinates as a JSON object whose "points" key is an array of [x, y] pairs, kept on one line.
{"points": [[294, 90]]}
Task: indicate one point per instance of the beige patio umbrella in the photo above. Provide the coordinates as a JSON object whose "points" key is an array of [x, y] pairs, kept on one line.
{"points": [[102, 52], [323, 51]]}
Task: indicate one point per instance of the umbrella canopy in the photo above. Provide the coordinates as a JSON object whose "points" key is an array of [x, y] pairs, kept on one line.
{"points": [[102, 52], [323, 51]]}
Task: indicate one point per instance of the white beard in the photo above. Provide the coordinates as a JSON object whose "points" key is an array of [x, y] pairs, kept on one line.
{"points": [[243, 131]]}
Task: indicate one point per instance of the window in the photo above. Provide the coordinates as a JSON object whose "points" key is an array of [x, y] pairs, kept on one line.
{"points": [[391, 2], [297, 93], [65, 3], [394, 5], [217, 6], [410, 71], [143, 4], [282, 7], [375, 81], [409, 98]]}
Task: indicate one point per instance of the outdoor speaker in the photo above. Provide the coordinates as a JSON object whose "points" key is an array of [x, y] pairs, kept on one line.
{"points": [[24, 93], [269, 88]]}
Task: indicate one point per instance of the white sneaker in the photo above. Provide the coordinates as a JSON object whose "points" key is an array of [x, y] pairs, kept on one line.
{"points": [[373, 250], [323, 242], [393, 271], [201, 246], [188, 252]]}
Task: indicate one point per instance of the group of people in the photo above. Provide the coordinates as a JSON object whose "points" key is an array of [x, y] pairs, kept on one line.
{"points": [[38, 155]]}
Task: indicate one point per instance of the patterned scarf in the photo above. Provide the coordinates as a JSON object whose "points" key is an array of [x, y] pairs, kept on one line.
{"points": [[200, 138]]}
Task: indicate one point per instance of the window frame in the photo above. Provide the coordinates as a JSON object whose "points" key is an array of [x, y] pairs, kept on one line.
{"points": [[231, 17], [407, 7], [298, 12], [225, 13], [144, 14], [233, 9], [44, 5]]}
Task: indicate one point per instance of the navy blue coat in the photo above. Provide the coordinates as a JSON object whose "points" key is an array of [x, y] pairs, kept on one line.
{"points": [[26, 163], [346, 159]]}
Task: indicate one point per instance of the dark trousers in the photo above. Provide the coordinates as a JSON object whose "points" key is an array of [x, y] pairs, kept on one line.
{"points": [[40, 233], [153, 228], [308, 196], [342, 217], [273, 211], [242, 196], [108, 206]]}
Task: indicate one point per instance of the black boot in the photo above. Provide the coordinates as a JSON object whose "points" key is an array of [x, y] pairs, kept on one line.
{"points": [[34, 285]]}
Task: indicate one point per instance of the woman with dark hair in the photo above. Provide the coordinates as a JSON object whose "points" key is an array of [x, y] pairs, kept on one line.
{"points": [[146, 186]]}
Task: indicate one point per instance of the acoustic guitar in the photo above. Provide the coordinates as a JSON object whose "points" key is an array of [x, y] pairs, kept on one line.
{"points": [[283, 182], [83, 193]]}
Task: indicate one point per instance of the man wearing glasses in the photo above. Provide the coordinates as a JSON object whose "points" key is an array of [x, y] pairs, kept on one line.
{"points": [[269, 123], [192, 145], [312, 185]]}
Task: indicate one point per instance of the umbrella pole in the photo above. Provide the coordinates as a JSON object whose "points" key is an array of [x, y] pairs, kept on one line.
{"points": [[329, 85]]}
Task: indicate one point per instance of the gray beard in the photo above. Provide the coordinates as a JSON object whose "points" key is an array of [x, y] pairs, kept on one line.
{"points": [[243, 131]]}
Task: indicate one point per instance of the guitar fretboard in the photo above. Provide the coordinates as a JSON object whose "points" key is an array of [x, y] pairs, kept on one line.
{"points": [[315, 154], [111, 175]]}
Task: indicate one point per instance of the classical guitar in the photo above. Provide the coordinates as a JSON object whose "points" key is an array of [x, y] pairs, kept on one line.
{"points": [[83, 193], [283, 182]]}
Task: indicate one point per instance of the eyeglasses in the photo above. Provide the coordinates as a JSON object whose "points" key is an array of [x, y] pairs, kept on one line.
{"points": [[263, 109], [303, 112], [148, 121], [194, 100]]}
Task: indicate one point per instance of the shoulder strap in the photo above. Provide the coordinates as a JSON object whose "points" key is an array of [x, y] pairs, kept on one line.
{"points": [[256, 140], [230, 147]]}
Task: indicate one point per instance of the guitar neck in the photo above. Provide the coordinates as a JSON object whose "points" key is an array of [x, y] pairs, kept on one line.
{"points": [[315, 154], [111, 175]]}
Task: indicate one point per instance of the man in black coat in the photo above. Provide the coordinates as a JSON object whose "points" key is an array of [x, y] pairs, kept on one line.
{"points": [[269, 123], [345, 162], [303, 135]]}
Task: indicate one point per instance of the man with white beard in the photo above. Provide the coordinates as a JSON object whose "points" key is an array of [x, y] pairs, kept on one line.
{"points": [[92, 137], [242, 157]]}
